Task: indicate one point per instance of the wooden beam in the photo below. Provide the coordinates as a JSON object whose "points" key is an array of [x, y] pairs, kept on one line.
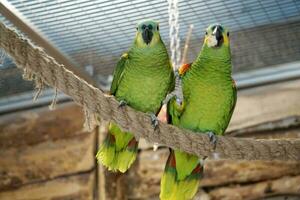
{"points": [[288, 127], [265, 104], [79, 187], [227, 172], [285, 186], [224, 174], [38, 145], [15, 17]]}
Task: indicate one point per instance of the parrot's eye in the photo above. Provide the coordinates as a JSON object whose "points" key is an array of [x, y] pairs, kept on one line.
{"points": [[150, 27], [144, 26], [137, 28], [227, 34], [157, 27], [205, 32]]}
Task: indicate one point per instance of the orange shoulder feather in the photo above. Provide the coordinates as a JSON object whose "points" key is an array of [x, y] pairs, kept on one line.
{"points": [[184, 68]]}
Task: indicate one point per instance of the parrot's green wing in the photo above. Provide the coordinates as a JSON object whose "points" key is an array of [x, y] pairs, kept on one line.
{"points": [[234, 90], [233, 103], [118, 73]]}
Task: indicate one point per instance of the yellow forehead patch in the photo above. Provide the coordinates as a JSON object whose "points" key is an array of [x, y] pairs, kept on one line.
{"points": [[226, 39]]}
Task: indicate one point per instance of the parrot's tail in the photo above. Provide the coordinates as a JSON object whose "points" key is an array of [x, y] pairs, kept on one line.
{"points": [[119, 150], [173, 189]]}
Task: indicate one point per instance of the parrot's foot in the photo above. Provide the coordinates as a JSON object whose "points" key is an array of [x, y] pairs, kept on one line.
{"points": [[177, 73], [178, 100], [154, 120], [170, 96], [122, 103], [212, 139]]}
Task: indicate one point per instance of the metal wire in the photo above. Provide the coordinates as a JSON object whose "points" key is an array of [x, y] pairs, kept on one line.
{"points": [[95, 33]]}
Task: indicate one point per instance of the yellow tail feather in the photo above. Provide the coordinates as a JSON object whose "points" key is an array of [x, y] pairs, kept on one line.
{"points": [[118, 151], [180, 180], [116, 160], [177, 190]]}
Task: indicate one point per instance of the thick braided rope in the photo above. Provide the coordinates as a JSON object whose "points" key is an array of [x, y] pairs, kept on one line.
{"points": [[38, 66]]}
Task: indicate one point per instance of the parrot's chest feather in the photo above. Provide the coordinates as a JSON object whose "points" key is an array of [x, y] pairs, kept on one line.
{"points": [[145, 82], [208, 103]]}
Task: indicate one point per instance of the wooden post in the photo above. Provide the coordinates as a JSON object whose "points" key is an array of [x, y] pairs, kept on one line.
{"points": [[46, 155]]}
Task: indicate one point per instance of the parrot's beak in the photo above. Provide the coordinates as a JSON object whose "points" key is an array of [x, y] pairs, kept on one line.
{"points": [[219, 36], [147, 35]]}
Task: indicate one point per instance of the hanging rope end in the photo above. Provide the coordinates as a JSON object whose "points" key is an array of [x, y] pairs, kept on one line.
{"points": [[52, 106], [92, 120]]}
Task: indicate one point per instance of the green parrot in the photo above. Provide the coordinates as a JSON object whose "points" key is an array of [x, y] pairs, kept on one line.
{"points": [[209, 98], [142, 79]]}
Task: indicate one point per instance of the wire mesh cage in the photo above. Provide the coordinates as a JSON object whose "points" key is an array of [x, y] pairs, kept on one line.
{"points": [[93, 34]]}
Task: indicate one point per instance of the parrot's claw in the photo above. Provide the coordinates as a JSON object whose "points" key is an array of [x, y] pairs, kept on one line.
{"points": [[122, 103], [178, 100], [168, 98], [212, 139], [154, 120], [177, 74]]}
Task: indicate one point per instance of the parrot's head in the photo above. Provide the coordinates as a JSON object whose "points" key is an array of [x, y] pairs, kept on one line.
{"points": [[147, 33], [216, 36]]}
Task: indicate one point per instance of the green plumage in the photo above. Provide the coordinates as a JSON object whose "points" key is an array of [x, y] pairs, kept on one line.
{"points": [[146, 78], [142, 79], [209, 97], [180, 180], [209, 93]]}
